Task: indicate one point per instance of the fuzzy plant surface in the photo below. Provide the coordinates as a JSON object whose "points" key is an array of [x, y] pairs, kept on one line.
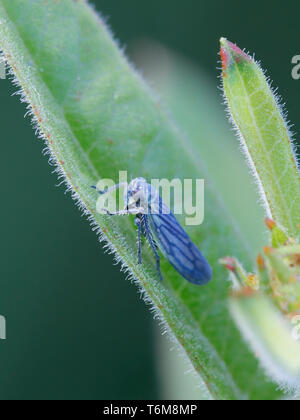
{"points": [[98, 117], [266, 305]]}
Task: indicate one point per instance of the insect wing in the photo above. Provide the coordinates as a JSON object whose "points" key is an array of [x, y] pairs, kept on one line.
{"points": [[179, 249]]}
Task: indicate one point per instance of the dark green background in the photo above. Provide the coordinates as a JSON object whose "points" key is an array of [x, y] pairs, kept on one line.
{"points": [[59, 292]]}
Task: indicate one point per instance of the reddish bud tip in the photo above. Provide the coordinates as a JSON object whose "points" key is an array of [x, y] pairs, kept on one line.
{"points": [[244, 292], [268, 250], [270, 223], [230, 54], [260, 262], [229, 263], [224, 58]]}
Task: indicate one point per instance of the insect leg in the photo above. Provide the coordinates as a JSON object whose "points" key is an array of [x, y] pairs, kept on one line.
{"points": [[138, 223], [152, 244], [108, 190], [135, 210]]}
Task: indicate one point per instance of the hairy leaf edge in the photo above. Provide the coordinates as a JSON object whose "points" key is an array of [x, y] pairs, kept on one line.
{"points": [[127, 268]]}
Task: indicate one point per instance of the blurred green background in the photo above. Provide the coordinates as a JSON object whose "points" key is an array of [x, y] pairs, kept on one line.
{"points": [[64, 338]]}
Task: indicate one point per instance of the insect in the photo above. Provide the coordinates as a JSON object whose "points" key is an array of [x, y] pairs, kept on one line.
{"points": [[158, 225]]}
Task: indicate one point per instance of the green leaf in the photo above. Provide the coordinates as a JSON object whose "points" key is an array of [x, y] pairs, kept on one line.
{"points": [[267, 143], [191, 95], [98, 118], [264, 134]]}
